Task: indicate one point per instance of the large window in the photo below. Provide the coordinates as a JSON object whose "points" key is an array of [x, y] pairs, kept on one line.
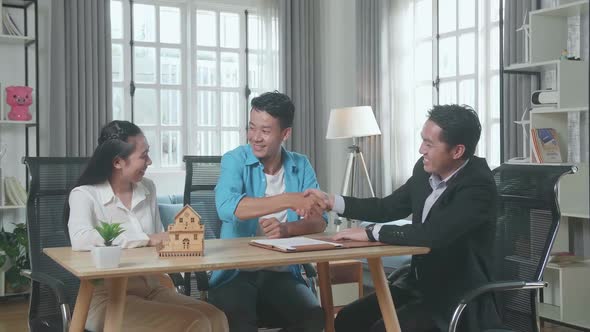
{"points": [[457, 61], [179, 72]]}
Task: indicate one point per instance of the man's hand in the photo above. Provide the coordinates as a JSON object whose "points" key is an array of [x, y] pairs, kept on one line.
{"points": [[354, 234], [328, 199], [306, 206], [157, 238], [272, 228]]}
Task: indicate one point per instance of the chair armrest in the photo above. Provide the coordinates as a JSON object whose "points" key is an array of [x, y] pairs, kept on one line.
{"points": [[499, 286], [202, 281], [57, 286], [393, 276]]}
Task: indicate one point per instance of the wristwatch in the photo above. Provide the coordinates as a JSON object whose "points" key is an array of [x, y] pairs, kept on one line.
{"points": [[369, 230]]}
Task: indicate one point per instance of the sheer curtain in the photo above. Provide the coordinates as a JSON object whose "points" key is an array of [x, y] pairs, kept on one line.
{"points": [[263, 48]]}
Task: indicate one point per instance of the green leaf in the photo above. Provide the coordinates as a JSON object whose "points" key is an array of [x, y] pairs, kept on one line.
{"points": [[109, 232]]}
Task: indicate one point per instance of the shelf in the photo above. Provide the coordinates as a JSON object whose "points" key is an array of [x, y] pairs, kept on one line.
{"points": [[12, 207], [533, 66], [540, 110], [10, 39], [18, 3], [570, 9], [549, 311], [12, 122]]}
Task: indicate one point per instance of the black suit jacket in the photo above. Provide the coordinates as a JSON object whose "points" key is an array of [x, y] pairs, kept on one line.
{"points": [[459, 230]]}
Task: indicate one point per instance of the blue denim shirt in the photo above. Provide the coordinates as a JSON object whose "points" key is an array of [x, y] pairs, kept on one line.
{"points": [[242, 174]]}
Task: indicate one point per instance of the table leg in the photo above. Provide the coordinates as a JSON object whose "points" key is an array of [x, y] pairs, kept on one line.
{"points": [[326, 294], [82, 305], [117, 289], [383, 295]]}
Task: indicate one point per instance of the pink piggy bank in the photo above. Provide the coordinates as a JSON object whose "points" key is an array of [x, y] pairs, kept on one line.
{"points": [[19, 98]]}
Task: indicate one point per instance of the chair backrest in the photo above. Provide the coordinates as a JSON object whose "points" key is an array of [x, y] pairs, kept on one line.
{"points": [[202, 173], [527, 224], [51, 182]]}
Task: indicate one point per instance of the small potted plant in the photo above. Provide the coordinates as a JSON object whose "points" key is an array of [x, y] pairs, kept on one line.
{"points": [[107, 257]]}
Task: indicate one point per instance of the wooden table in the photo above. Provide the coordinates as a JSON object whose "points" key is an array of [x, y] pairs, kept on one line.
{"points": [[219, 255]]}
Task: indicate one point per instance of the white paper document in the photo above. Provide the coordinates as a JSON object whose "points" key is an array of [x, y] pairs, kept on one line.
{"points": [[292, 242]]}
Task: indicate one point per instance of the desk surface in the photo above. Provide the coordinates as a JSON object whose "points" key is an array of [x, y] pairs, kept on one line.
{"points": [[219, 255]]}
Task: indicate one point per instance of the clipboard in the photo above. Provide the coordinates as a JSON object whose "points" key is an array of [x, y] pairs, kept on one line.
{"points": [[295, 244], [301, 244]]}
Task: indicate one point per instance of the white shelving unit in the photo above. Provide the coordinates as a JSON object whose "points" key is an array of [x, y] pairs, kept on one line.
{"points": [[567, 297]]}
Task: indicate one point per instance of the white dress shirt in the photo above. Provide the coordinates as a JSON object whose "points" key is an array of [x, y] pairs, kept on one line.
{"points": [[91, 204], [436, 183]]}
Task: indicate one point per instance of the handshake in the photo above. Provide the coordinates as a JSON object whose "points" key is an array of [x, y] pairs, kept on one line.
{"points": [[312, 202]]}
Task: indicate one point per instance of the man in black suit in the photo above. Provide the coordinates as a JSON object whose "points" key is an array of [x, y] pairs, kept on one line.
{"points": [[452, 198]]}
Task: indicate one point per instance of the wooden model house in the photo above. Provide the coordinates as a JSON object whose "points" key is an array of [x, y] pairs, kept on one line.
{"points": [[187, 235]]}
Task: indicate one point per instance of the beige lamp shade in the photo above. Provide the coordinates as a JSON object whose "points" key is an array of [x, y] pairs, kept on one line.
{"points": [[358, 121]]}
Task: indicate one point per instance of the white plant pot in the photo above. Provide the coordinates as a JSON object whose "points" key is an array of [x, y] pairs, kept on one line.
{"points": [[106, 257]]}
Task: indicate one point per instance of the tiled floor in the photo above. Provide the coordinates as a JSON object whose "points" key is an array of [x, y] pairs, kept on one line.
{"points": [[13, 317]]}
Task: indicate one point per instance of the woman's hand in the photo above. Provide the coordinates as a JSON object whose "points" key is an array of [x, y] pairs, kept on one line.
{"points": [[157, 238]]}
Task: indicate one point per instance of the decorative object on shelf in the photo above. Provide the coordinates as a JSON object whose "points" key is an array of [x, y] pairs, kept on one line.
{"points": [[19, 98], [545, 145], [9, 25], [187, 235], [109, 256], [353, 122], [525, 138], [15, 192], [544, 98], [527, 37], [563, 55], [14, 245]]}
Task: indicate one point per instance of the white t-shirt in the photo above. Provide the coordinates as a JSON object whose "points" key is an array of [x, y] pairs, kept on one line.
{"points": [[91, 204]]}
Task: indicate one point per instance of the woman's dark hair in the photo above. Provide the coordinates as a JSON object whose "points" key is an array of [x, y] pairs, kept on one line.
{"points": [[278, 105], [112, 143], [459, 124]]}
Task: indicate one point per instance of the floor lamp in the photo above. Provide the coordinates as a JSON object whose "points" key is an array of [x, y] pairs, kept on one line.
{"points": [[353, 122]]}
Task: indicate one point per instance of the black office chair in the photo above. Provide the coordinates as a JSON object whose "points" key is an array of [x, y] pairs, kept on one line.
{"points": [[53, 289], [202, 173], [528, 220]]}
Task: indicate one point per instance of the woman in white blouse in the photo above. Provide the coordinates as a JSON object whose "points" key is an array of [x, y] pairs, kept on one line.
{"points": [[113, 189]]}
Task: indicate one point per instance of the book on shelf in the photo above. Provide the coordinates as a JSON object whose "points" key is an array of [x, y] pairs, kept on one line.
{"points": [[545, 145]]}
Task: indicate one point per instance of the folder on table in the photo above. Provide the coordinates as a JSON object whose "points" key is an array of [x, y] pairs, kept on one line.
{"points": [[301, 243]]}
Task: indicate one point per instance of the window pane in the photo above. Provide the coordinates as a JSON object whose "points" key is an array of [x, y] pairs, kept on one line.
{"points": [[467, 13], [206, 28], [254, 31], [116, 20], [170, 66], [467, 92], [206, 108], [117, 65], [422, 103], [494, 48], [494, 110], [467, 54], [144, 103], [170, 148], [447, 93], [254, 70], [145, 64], [447, 15], [118, 103], [230, 109], [494, 10], [423, 61], [229, 30], [206, 68], [171, 107], [494, 149], [207, 143], [229, 140], [144, 23], [170, 25], [230, 67], [423, 18], [447, 57], [151, 137]]}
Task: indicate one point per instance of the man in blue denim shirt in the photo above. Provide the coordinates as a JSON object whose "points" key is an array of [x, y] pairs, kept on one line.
{"points": [[260, 193]]}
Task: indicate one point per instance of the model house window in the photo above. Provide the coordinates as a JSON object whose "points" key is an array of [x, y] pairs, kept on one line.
{"points": [[196, 236], [192, 220], [457, 61], [179, 72]]}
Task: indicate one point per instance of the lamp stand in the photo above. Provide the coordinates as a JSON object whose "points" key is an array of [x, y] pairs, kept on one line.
{"points": [[355, 157]]}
